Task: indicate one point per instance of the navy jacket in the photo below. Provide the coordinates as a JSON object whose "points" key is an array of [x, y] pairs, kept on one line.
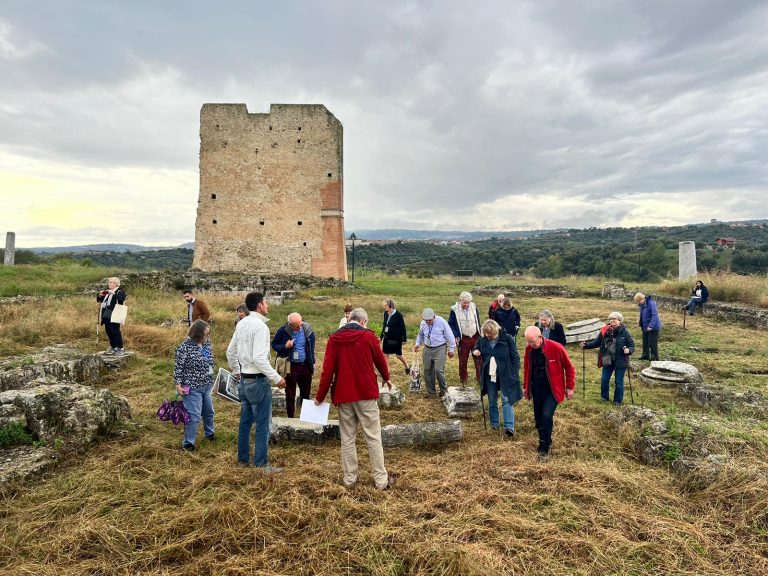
{"points": [[649, 315], [507, 365], [285, 333]]}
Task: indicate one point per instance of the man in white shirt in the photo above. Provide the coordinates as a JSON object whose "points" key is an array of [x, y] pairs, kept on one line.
{"points": [[248, 355]]}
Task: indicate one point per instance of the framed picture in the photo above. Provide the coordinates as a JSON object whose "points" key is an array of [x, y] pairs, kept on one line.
{"points": [[226, 386]]}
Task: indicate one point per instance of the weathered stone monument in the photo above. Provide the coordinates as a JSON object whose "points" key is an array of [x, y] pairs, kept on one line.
{"points": [[583, 330], [10, 249], [686, 260], [271, 191]]}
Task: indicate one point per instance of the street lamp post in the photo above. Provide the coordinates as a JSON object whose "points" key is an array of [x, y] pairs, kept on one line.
{"points": [[353, 238]]}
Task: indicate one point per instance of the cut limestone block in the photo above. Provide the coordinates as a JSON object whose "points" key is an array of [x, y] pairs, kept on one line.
{"points": [[278, 401], [288, 294], [293, 429], [462, 402], [389, 399], [670, 374], [583, 330], [421, 433], [76, 413], [274, 299]]}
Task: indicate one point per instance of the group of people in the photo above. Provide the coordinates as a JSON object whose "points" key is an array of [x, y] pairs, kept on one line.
{"points": [[354, 354]]}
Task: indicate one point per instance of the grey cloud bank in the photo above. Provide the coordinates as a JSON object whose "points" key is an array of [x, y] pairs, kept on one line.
{"points": [[503, 115]]}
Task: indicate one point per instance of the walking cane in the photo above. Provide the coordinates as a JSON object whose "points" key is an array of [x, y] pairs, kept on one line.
{"points": [[98, 321], [629, 377], [583, 372]]}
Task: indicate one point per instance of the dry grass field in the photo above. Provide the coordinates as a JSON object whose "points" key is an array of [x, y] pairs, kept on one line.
{"points": [[137, 504]]}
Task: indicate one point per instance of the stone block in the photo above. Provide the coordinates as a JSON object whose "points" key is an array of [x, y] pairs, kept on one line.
{"points": [[583, 330], [670, 374], [288, 294], [421, 433], [389, 399], [74, 413], [274, 299], [461, 402], [294, 430]]}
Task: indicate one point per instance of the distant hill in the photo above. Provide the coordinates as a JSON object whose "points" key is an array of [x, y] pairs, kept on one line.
{"points": [[105, 248], [460, 235]]}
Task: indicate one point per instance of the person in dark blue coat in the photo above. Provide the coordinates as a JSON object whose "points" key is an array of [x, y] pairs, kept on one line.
{"points": [[616, 345], [508, 317], [500, 372], [650, 324], [295, 340], [699, 297]]}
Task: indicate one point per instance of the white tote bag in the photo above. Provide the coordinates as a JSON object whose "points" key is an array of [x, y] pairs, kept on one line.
{"points": [[119, 314]]}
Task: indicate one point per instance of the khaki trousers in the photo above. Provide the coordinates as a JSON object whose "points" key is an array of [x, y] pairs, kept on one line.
{"points": [[366, 412]]}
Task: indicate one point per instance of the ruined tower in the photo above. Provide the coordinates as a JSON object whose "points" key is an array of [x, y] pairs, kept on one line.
{"points": [[271, 191]]}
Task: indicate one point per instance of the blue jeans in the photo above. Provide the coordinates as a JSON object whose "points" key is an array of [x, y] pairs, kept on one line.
{"points": [[255, 407], [605, 384], [199, 404], [693, 302], [544, 406], [493, 408]]}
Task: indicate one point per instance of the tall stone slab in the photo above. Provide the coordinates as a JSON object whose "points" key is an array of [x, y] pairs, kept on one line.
{"points": [[10, 249], [686, 260], [271, 191]]}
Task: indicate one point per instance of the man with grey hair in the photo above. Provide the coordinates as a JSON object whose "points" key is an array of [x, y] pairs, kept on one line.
{"points": [[465, 324], [351, 355], [436, 336], [295, 340]]}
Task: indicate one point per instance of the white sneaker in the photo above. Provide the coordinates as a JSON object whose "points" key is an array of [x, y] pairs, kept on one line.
{"points": [[119, 351]]}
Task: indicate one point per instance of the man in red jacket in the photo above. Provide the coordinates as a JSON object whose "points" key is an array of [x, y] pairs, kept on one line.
{"points": [[348, 371], [549, 378]]}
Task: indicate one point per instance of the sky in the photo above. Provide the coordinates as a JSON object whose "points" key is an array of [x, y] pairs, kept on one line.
{"points": [[484, 115]]}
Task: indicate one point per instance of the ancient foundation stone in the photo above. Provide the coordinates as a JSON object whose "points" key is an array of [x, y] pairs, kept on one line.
{"points": [[25, 462], [421, 433], [389, 399], [278, 401], [583, 330], [294, 430], [274, 299], [55, 362], [670, 374], [462, 402], [678, 442], [74, 413]]}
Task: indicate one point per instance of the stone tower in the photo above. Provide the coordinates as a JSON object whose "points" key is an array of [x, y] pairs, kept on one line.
{"points": [[271, 191]]}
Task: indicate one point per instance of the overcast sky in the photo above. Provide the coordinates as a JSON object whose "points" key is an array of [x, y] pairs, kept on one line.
{"points": [[498, 115]]}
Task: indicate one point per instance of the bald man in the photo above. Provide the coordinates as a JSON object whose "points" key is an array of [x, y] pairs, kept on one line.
{"points": [[295, 340], [550, 378]]}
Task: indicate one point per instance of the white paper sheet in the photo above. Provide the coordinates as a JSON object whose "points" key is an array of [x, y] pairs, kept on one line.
{"points": [[314, 414]]}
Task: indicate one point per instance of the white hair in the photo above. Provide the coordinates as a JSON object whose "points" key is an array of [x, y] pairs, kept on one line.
{"points": [[465, 297]]}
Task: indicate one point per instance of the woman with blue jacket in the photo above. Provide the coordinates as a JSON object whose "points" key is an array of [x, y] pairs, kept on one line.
{"points": [[500, 372], [650, 324]]}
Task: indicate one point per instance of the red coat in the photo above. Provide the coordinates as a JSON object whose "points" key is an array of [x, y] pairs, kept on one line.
{"points": [[348, 366], [560, 370]]}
